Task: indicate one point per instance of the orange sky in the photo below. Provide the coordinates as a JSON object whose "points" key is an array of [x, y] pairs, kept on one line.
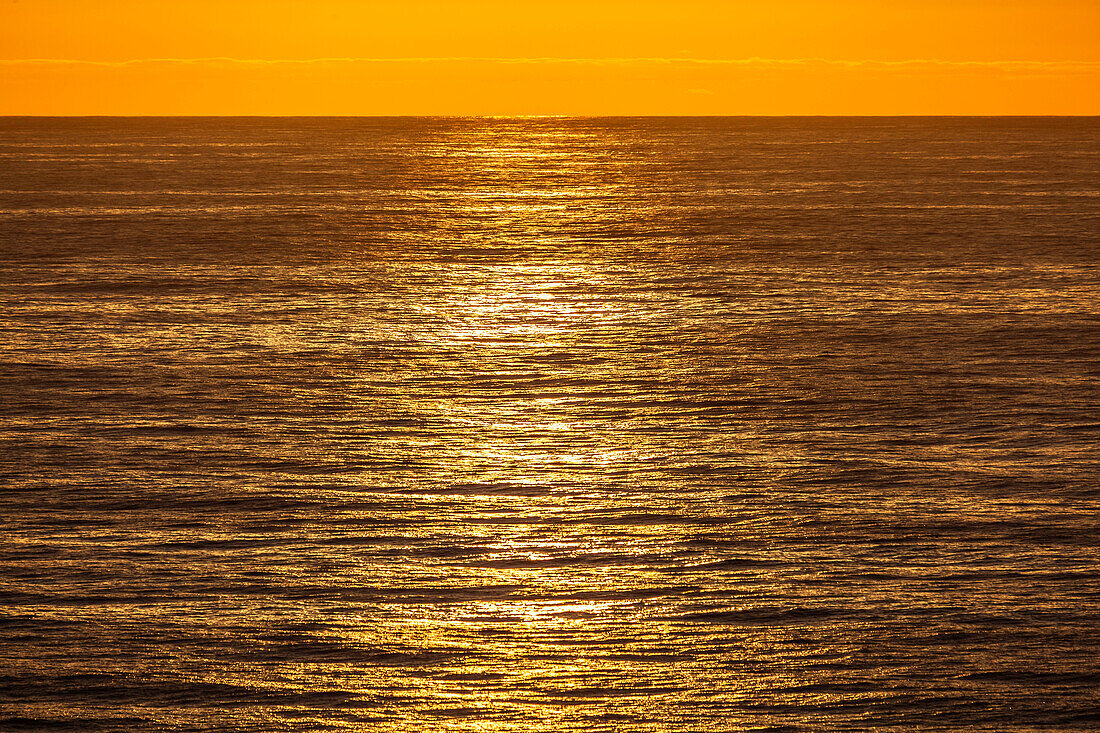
{"points": [[543, 57]]}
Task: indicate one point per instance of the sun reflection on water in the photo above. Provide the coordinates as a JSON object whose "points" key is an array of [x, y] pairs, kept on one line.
{"points": [[536, 425]]}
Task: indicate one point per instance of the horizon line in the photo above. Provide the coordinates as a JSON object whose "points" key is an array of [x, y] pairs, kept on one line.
{"points": [[748, 60], [555, 116]]}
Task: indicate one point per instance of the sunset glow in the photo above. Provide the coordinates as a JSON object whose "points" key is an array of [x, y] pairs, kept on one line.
{"points": [[491, 57]]}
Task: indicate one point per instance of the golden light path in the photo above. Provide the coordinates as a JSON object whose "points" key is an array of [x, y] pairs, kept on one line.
{"points": [[548, 424]]}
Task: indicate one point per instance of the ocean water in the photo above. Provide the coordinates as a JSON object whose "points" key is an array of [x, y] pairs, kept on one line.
{"points": [[550, 424]]}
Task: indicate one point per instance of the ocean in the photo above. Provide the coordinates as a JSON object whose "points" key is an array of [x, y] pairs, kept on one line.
{"points": [[550, 424]]}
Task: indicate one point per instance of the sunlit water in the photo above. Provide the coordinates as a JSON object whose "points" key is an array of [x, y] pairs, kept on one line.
{"points": [[550, 425]]}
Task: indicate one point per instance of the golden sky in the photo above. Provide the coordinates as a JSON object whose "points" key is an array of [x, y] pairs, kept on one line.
{"points": [[366, 57]]}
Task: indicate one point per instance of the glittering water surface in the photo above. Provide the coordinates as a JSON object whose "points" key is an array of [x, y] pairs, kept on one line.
{"points": [[550, 425]]}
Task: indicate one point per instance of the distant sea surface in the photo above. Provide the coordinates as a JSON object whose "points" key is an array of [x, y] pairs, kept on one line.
{"points": [[550, 424]]}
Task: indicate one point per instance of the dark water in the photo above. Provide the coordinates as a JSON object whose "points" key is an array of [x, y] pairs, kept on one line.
{"points": [[550, 425]]}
